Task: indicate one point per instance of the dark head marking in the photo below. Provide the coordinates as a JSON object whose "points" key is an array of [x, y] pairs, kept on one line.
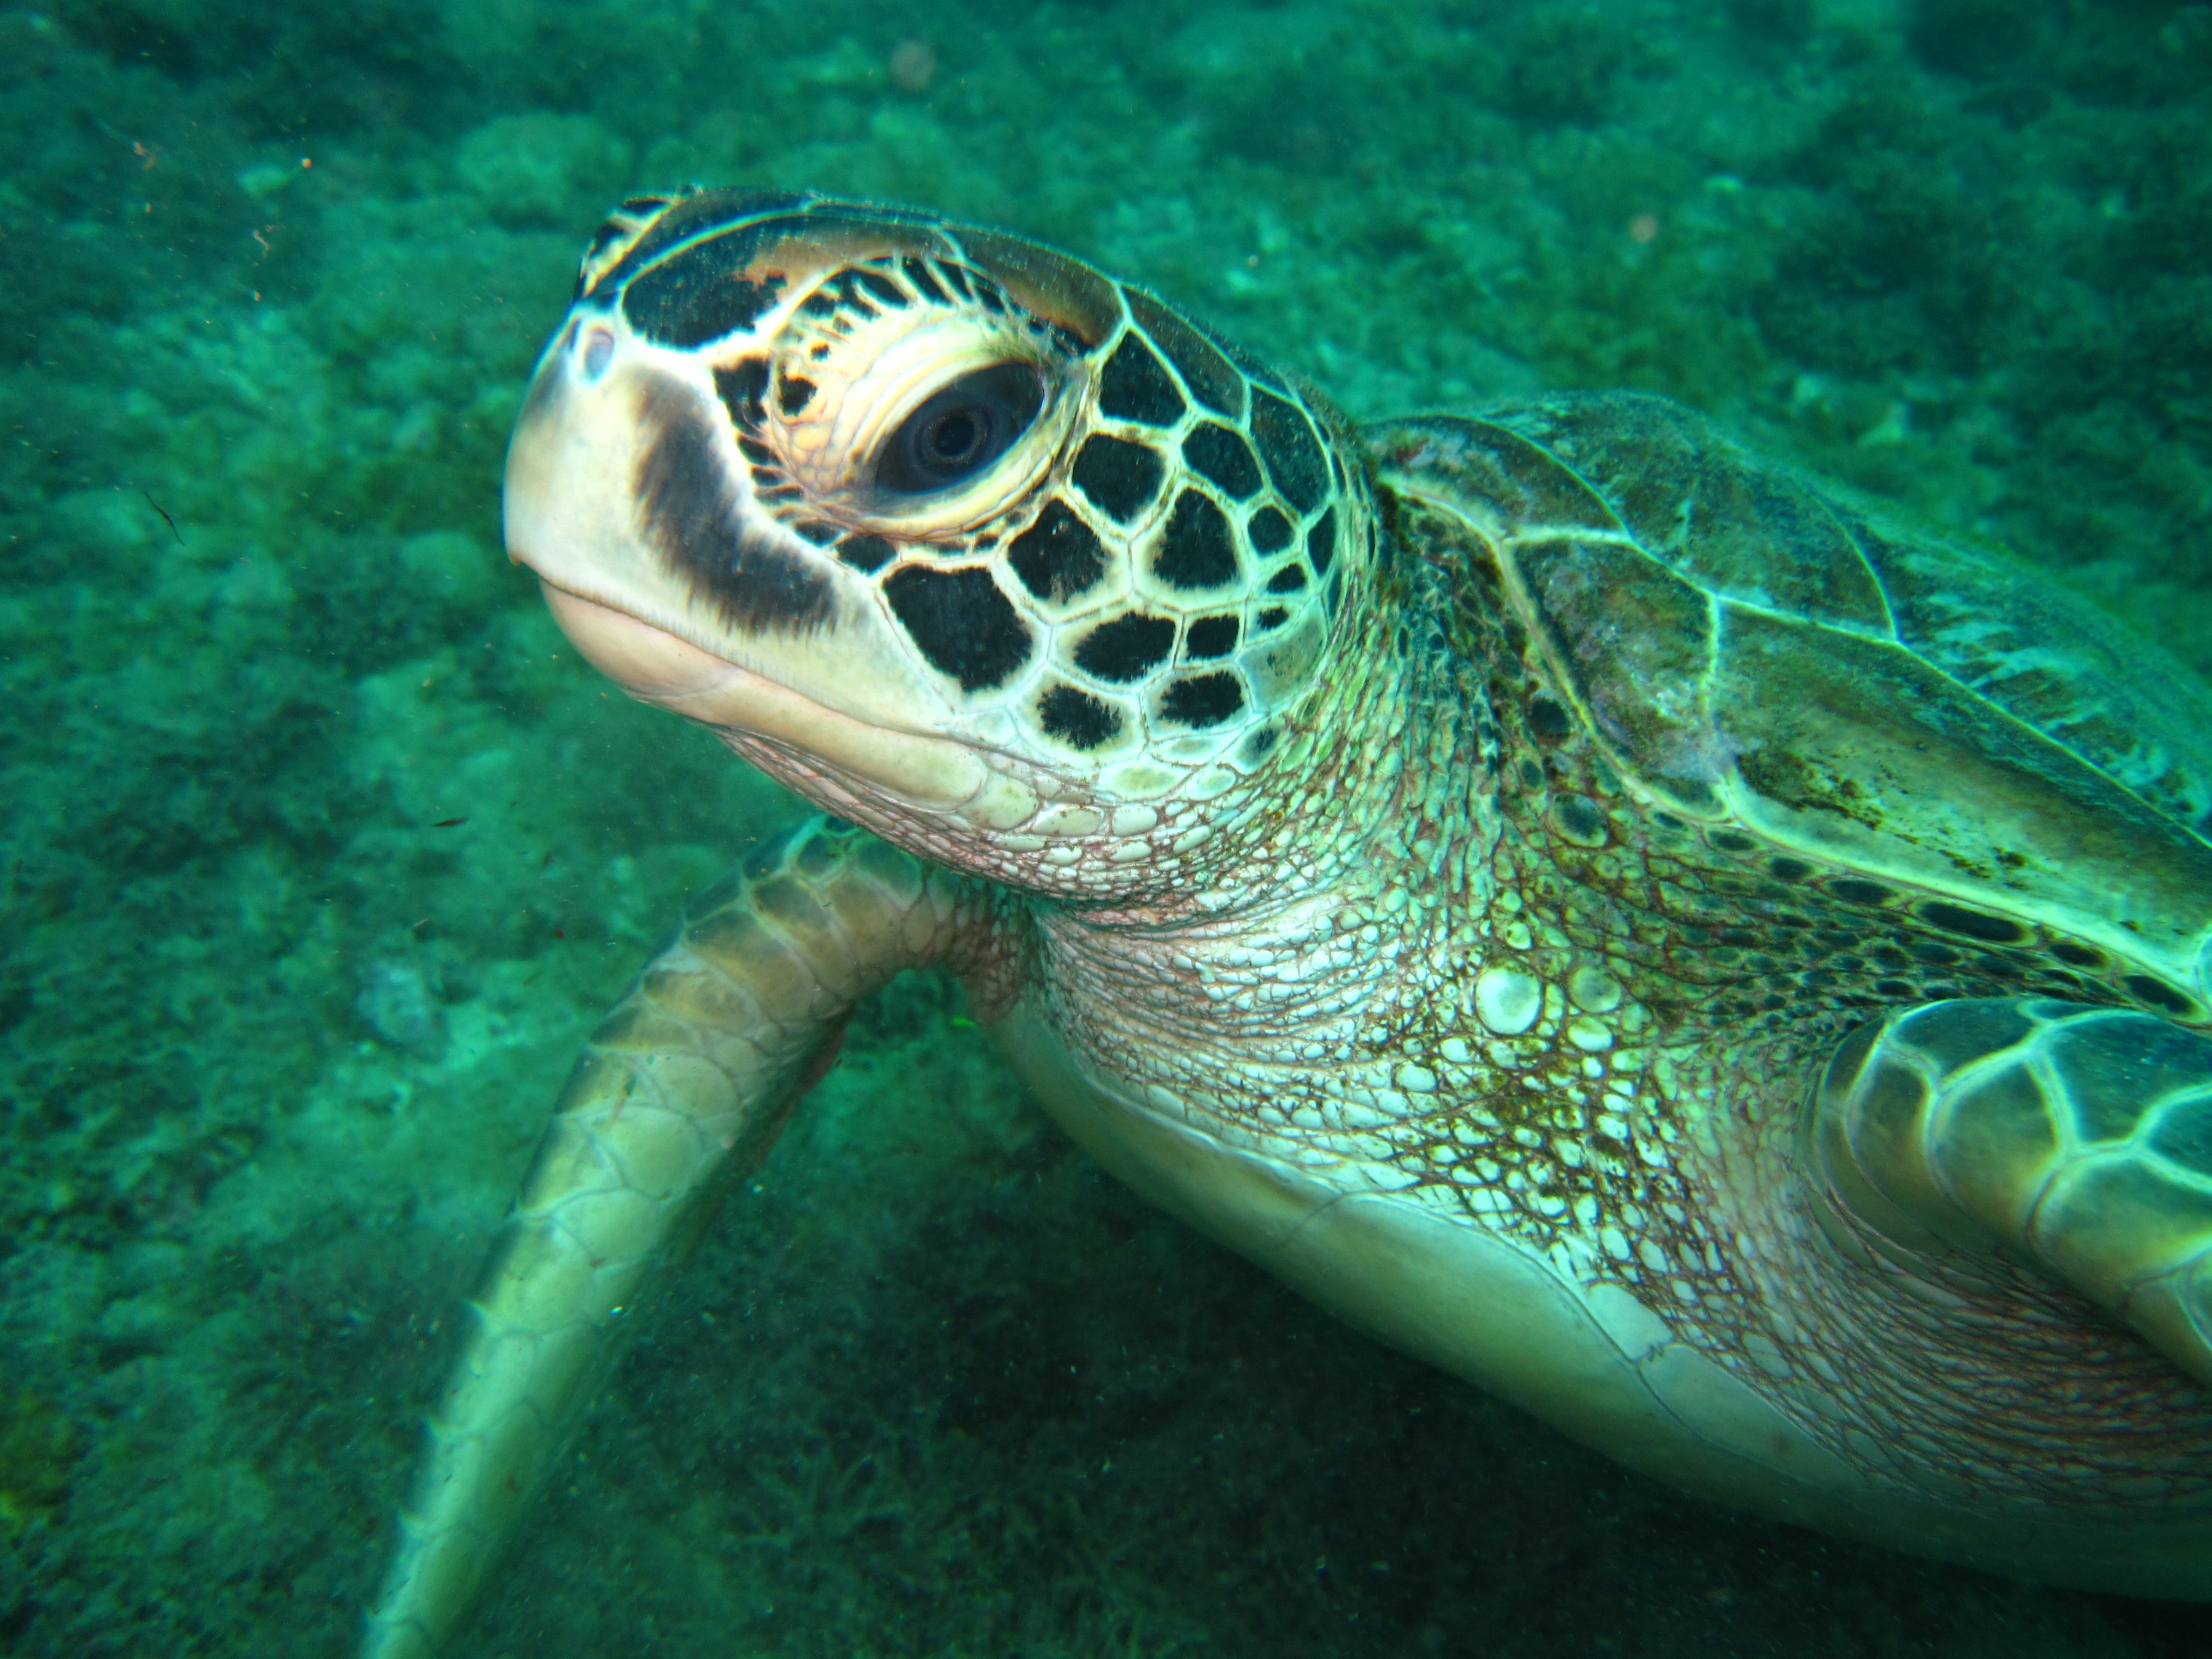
{"points": [[1320, 541], [1202, 700], [1120, 477], [1136, 387], [887, 294], [866, 553], [1294, 455], [1851, 891], [1127, 649], [1196, 549], [1210, 637], [1270, 530], [1211, 377], [1547, 721], [687, 512], [1974, 924], [963, 625], [917, 271], [742, 386], [792, 394], [1223, 458], [2159, 994], [1578, 817], [1078, 718], [694, 297], [1059, 558]]}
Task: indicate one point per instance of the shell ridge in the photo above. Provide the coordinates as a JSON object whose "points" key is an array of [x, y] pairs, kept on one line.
{"points": [[2031, 735], [1849, 524]]}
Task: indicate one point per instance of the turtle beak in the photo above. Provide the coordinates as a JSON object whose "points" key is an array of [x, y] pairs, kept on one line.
{"points": [[624, 488], [655, 666], [649, 663]]}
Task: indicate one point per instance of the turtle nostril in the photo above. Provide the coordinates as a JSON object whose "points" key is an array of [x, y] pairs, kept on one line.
{"points": [[599, 351]]}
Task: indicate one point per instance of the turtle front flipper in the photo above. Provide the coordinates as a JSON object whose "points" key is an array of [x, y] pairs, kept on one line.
{"points": [[686, 1085], [2072, 1138]]}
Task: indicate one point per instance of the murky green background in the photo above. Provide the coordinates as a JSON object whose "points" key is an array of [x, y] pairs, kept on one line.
{"points": [[322, 851]]}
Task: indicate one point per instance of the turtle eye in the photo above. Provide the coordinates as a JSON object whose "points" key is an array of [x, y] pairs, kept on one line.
{"points": [[960, 430]]}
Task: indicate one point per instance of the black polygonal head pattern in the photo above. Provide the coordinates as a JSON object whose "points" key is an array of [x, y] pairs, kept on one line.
{"points": [[1078, 718], [1197, 550], [1059, 558], [1127, 647], [1121, 478], [1202, 700], [961, 621], [1159, 584], [1135, 386]]}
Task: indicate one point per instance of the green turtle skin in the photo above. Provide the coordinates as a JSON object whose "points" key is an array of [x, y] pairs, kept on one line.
{"points": [[1721, 968]]}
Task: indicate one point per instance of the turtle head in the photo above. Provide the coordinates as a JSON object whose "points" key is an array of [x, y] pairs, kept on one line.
{"points": [[957, 536]]}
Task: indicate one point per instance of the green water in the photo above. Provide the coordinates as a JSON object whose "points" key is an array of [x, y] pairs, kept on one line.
{"points": [[322, 850]]}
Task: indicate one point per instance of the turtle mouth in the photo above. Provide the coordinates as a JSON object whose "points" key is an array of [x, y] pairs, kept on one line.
{"points": [[652, 663], [656, 665]]}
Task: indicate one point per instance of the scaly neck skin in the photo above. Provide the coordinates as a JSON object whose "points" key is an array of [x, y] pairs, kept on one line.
{"points": [[1334, 886], [1318, 915]]}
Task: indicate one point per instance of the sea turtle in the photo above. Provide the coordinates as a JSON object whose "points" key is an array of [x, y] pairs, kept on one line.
{"points": [[1718, 967]]}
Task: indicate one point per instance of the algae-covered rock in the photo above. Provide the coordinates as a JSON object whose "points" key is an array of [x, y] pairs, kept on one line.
{"points": [[541, 169], [38, 1448]]}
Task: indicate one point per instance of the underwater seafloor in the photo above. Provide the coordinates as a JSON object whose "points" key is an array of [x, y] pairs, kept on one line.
{"points": [[322, 851]]}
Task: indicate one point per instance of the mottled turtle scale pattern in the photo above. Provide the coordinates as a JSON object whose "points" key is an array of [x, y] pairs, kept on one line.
{"points": [[1637, 922], [1724, 969]]}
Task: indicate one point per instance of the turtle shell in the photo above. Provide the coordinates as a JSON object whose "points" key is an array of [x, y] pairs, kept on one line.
{"points": [[1752, 651]]}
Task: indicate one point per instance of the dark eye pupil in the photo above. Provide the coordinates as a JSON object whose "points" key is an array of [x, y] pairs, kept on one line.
{"points": [[960, 430], [952, 438]]}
